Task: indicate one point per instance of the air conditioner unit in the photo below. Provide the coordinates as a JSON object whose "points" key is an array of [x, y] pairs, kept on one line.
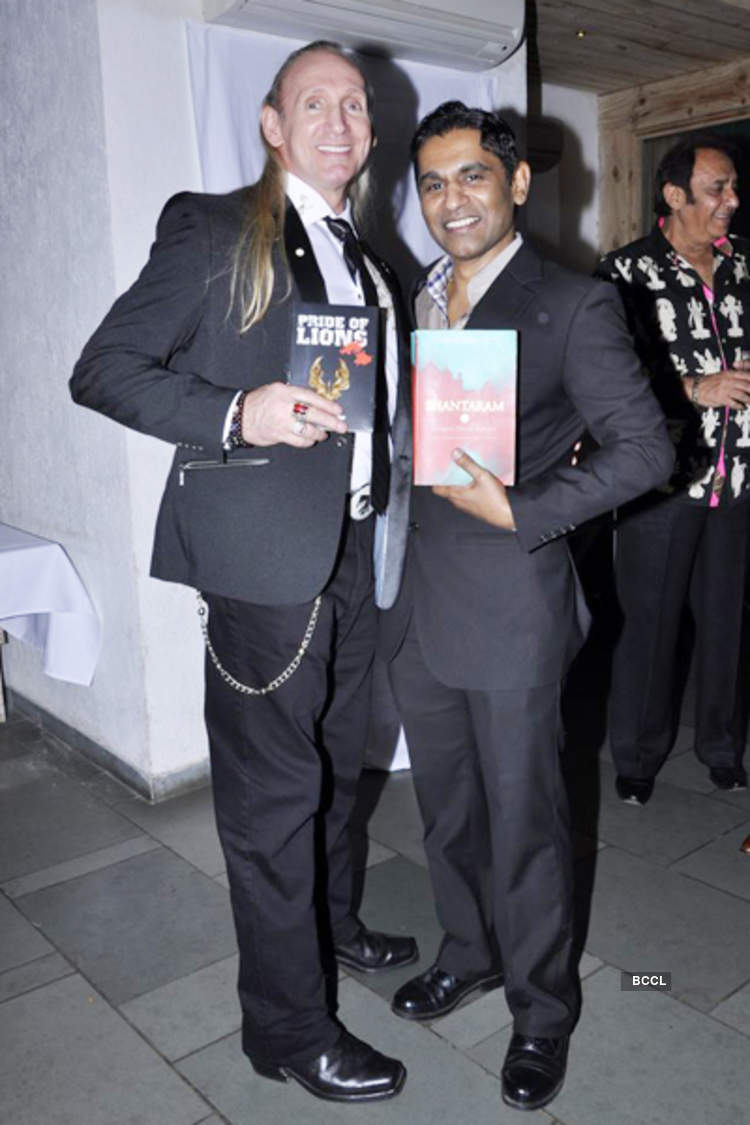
{"points": [[473, 35]]}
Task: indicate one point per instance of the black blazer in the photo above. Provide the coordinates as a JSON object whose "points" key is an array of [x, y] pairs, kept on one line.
{"points": [[259, 524], [498, 610]]}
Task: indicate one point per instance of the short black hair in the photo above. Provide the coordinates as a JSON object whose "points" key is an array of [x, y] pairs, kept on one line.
{"points": [[495, 134], [676, 166]]}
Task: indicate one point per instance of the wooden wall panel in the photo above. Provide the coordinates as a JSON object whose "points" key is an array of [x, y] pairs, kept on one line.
{"points": [[626, 118]]}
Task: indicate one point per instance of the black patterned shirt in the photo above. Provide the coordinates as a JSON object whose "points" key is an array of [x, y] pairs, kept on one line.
{"points": [[681, 328]]}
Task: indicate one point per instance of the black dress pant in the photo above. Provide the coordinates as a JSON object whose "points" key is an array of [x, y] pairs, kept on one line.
{"points": [[285, 768], [487, 774], [670, 552]]}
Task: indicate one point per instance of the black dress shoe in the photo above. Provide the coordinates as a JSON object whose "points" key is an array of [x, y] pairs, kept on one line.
{"points": [[368, 951], [728, 777], [634, 790], [350, 1071], [533, 1071], [436, 993]]}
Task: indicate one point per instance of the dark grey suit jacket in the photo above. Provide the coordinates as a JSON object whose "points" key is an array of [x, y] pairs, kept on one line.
{"points": [[498, 610], [259, 524]]}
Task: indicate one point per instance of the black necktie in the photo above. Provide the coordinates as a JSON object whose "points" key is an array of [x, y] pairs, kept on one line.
{"points": [[353, 257], [381, 461]]}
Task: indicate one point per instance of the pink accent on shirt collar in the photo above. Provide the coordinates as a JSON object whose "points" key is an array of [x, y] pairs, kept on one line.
{"points": [[717, 243]]}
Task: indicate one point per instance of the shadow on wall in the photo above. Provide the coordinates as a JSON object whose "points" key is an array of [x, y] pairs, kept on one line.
{"points": [[562, 187], [396, 116]]}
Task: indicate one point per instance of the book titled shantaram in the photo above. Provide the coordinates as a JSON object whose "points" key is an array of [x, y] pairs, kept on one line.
{"points": [[334, 351], [464, 394]]}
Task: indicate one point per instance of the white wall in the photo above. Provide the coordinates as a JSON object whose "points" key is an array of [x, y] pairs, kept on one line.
{"points": [[151, 154], [101, 103], [101, 133], [562, 212], [62, 470]]}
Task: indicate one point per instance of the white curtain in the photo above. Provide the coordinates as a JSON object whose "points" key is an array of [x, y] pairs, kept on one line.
{"points": [[231, 71]]}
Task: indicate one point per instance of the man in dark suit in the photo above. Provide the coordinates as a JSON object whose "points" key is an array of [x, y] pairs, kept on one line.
{"points": [[490, 613], [268, 510]]}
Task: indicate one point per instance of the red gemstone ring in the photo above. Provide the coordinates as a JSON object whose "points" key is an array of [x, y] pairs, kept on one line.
{"points": [[300, 408]]}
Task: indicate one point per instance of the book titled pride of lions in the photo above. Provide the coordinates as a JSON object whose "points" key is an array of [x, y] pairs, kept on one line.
{"points": [[464, 395]]}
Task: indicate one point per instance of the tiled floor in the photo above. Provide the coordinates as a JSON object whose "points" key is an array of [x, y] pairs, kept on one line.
{"points": [[117, 962]]}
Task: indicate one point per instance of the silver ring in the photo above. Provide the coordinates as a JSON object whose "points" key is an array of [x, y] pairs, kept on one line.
{"points": [[299, 427]]}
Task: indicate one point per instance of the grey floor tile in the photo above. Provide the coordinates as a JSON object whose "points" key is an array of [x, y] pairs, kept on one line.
{"points": [[642, 1059], [94, 781], [367, 853], [33, 974], [16, 737], [66, 1057], [474, 1021], [48, 819], [395, 820], [20, 941], [588, 965], [184, 824], [137, 925], [25, 768], [398, 899], [673, 823], [646, 918], [93, 861], [686, 772], [646, 1059], [684, 742], [721, 863], [738, 799], [491, 1051], [187, 1014], [735, 1010], [443, 1086]]}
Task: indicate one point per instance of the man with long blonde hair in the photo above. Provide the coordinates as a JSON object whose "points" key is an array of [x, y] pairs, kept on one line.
{"points": [[270, 511]]}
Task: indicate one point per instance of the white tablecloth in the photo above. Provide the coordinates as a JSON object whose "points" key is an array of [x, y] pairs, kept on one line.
{"points": [[44, 603]]}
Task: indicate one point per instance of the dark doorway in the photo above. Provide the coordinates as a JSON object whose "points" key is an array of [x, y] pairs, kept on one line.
{"points": [[655, 147]]}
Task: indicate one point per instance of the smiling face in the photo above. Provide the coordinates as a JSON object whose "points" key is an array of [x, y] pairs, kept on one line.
{"points": [[713, 186], [467, 201], [321, 130]]}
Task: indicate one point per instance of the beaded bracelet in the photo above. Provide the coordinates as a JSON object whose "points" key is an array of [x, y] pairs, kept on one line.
{"points": [[234, 438]]}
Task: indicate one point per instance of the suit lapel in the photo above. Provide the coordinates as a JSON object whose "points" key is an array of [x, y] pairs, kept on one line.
{"points": [[504, 302], [302, 264]]}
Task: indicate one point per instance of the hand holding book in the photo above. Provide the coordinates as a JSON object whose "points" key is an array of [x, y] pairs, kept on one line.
{"points": [[485, 497], [334, 353], [268, 416]]}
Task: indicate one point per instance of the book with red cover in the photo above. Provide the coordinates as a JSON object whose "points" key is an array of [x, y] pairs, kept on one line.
{"points": [[334, 351], [464, 396]]}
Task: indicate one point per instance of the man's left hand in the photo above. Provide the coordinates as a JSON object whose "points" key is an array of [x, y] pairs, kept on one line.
{"points": [[486, 498]]}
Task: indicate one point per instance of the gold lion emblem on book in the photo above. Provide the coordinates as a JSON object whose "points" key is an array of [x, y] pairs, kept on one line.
{"points": [[329, 389]]}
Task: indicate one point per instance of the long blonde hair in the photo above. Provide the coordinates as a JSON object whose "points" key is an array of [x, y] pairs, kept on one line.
{"points": [[253, 273]]}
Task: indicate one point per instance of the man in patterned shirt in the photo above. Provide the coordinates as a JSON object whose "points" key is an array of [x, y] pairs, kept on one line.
{"points": [[686, 288]]}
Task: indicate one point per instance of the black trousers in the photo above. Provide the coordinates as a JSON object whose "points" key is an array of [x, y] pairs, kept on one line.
{"points": [[285, 768], [667, 554], [486, 768]]}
